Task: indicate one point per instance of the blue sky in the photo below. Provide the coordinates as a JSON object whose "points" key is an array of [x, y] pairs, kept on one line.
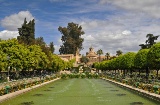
{"points": [[109, 25]]}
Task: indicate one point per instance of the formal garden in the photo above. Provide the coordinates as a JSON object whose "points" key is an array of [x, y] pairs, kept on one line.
{"points": [[27, 62], [140, 70], [82, 92]]}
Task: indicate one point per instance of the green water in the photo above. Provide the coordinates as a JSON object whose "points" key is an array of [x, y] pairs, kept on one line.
{"points": [[79, 92]]}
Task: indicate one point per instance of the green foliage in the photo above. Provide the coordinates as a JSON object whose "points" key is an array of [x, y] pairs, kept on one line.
{"points": [[153, 57], [99, 52], [119, 52], [107, 55], [79, 75], [71, 38], [18, 56], [51, 46], [128, 60], [26, 32], [121, 62], [140, 60], [23, 57], [97, 65], [150, 41], [3, 61], [84, 59], [5, 48]]}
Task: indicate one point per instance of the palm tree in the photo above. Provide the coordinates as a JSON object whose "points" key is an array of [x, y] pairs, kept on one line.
{"points": [[99, 52], [119, 52], [107, 55]]}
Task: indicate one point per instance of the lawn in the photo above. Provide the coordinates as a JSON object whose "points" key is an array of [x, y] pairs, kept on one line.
{"points": [[80, 92]]}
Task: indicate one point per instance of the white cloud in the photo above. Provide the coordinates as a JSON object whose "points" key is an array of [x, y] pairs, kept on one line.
{"points": [[126, 32], [151, 7], [15, 21], [118, 32], [5, 34], [56, 49], [12, 22]]}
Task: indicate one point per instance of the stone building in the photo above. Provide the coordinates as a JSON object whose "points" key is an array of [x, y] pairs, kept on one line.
{"points": [[93, 56], [66, 57]]}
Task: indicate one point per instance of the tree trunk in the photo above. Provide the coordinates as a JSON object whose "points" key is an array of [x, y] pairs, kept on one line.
{"points": [[124, 73], [157, 73], [131, 73], [147, 72], [139, 72]]}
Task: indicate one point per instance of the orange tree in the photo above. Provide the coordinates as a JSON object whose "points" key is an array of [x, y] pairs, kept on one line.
{"points": [[153, 57], [140, 61]]}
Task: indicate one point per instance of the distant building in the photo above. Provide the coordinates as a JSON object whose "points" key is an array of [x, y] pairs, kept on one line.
{"points": [[93, 56], [66, 56]]}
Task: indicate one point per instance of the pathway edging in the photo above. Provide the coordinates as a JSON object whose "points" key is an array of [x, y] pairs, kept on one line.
{"points": [[139, 91]]}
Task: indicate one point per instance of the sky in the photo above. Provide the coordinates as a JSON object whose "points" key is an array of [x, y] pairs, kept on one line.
{"points": [[109, 25]]}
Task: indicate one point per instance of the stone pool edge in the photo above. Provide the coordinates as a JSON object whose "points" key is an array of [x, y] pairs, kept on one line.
{"points": [[152, 96], [11, 95]]}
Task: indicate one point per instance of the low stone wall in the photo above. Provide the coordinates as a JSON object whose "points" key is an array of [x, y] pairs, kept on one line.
{"points": [[152, 96]]}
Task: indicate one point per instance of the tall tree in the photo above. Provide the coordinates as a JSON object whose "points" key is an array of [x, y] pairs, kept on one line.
{"points": [[40, 42], [119, 52], [150, 41], [26, 32], [107, 55], [99, 52], [51, 46], [71, 38]]}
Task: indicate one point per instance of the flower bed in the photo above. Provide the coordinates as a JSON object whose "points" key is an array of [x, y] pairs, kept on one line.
{"points": [[22, 84], [137, 83]]}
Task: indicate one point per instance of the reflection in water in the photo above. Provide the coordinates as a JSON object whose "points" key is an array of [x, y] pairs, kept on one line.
{"points": [[27, 103], [136, 103]]}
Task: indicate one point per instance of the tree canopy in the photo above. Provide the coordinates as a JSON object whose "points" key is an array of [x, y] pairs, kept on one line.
{"points": [[107, 55], [71, 38], [27, 32], [153, 57], [22, 57], [100, 52], [84, 59], [140, 60], [119, 52], [150, 41]]}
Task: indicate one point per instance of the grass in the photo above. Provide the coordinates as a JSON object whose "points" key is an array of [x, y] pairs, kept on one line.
{"points": [[79, 92]]}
